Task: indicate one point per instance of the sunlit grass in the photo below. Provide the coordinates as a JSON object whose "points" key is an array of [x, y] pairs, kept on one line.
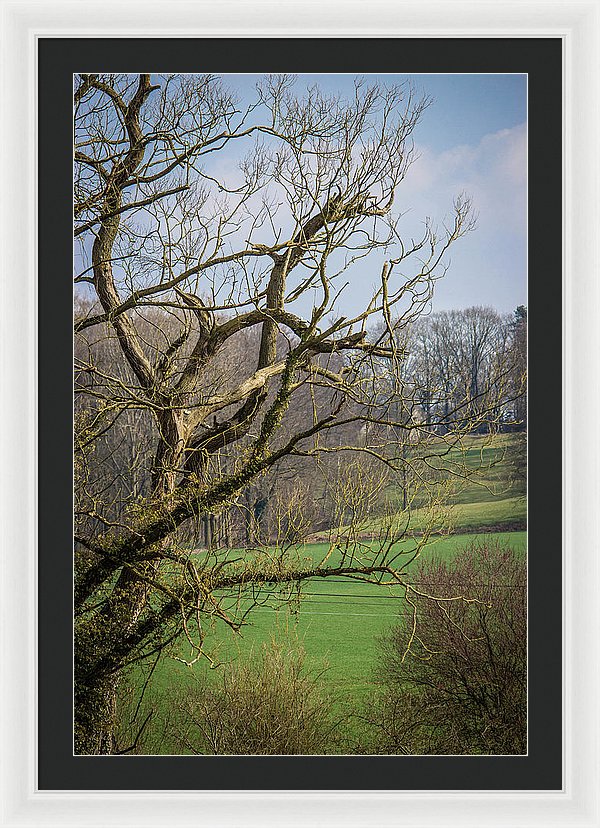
{"points": [[337, 621]]}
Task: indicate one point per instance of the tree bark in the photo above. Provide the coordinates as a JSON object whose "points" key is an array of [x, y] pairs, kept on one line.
{"points": [[95, 717]]}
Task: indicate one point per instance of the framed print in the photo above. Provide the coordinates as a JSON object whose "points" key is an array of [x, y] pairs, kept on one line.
{"points": [[265, 429], [324, 495]]}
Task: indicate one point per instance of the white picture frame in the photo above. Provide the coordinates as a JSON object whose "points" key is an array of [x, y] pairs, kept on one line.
{"points": [[578, 24]]}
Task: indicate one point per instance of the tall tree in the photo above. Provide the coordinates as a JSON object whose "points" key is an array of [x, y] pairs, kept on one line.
{"points": [[198, 221], [518, 340]]}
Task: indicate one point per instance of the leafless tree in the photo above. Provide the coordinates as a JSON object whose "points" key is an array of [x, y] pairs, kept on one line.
{"points": [[207, 230], [518, 345], [461, 363]]}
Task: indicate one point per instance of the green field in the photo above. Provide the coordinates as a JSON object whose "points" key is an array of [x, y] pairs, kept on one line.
{"points": [[337, 621], [479, 485]]}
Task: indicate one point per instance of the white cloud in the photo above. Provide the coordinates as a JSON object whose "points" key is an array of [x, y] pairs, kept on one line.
{"points": [[493, 173]]}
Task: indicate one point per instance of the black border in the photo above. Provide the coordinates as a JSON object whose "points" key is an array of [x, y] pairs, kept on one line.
{"points": [[541, 58]]}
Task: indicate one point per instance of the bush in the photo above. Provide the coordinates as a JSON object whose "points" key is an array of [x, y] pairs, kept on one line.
{"points": [[268, 704], [455, 683]]}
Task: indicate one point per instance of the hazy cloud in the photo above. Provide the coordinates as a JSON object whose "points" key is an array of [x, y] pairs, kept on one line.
{"points": [[493, 172], [488, 266]]}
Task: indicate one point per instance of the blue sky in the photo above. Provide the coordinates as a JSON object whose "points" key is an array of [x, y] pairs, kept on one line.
{"points": [[471, 139]]}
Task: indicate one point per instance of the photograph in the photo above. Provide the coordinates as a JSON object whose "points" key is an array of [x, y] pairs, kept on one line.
{"points": [[300, 414]]}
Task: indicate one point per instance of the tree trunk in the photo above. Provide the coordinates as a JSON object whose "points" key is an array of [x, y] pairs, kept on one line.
{"points": [[248, 528], [95, 717], [226, 529], [207, 531], [98, 660]]}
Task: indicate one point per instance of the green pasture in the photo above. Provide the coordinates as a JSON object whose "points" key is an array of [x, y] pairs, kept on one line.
{"points": [[496, 515], [336, 621], [480, 483], [484, 468]]}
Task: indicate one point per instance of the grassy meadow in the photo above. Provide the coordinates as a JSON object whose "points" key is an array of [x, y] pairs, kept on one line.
{"points": [[336, 620]]}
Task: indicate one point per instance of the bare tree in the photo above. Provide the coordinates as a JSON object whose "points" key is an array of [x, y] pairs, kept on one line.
{"points": [[205, 230], [461, 365], [518, 345]]}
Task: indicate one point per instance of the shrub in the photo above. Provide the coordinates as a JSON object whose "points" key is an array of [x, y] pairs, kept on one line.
{"points": [[268, 704], [454, 671]]}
